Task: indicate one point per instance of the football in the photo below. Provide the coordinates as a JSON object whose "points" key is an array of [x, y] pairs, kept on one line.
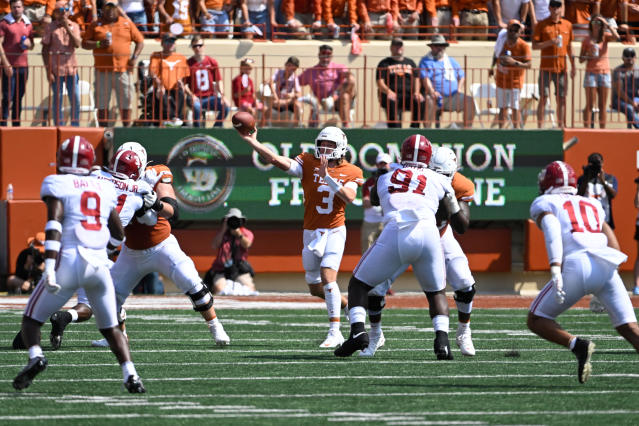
{"points": [[244, 123]]}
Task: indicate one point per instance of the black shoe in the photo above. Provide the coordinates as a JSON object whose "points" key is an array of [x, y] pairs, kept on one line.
{"points": [[352, 344], [18, 343], [59, 321], [442, 346], [25, 377], [583, 351], [134, 385]]}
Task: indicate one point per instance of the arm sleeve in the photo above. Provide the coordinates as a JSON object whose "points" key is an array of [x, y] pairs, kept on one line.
{"points": [[552, 234]]}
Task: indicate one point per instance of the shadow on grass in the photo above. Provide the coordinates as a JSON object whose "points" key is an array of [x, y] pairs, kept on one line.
{"points": [[604, 352], [290, 357]]}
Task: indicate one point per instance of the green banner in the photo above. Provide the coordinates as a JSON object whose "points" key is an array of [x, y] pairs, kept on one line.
{"points": [[214, 169]]}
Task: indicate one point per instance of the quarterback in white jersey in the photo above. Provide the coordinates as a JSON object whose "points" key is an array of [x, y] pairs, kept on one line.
{"points": [[584, 254], [82, 222], [410, 196]]}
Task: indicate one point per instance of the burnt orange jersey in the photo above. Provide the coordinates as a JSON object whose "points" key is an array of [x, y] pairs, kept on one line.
{"points": [[322, 208], [140, 236]]}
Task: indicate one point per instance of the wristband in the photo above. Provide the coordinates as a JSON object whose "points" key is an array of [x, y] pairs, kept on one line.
{"points": [[332, 183], [49, 265], [52, 245], [53, 225], [97, 44], [115, 242]]}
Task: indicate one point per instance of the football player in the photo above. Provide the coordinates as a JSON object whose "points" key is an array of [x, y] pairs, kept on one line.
{"points": [[443, 161], [82, 223], [410, 196], [150, 247], [583, 253], [329, 182]]}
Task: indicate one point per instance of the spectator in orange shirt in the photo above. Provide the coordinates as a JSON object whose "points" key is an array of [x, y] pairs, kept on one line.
{"points": [[379, 17], [338, 14], [473, 13], [110, 38], [408, 16], [243, 89], [443, 17], [61, 38], [301, 13], [578, 13], [513, 60], [168, 70], [83, 12], [553, 36], [594, 51]]}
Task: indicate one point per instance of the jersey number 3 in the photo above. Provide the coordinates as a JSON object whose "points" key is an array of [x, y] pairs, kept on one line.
{"points": [[90, 207]]}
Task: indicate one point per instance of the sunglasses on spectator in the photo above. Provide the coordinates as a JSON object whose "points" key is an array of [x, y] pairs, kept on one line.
{"points": [[197, 45], [554, 4], [62, 9], [326, 53], [628, 56]]}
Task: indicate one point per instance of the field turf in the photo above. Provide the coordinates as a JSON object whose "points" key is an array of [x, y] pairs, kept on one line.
{"points": [[275, 373]]}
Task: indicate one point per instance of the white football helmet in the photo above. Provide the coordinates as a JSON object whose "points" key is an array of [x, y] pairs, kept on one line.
{"points": [[138, 149], [444, 161], [332, 134]]}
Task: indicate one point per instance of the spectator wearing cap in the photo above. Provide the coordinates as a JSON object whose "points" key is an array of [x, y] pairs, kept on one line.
{"points": [[231, 273], [513, 61], [553, 36], [243, 90], [214, 16], [111, 38], [373, 222], [169, 71], [442, 79], [379, 17], [29, 266], [285, 92], [594, 51], [398, 87], [15, 64], [625, 92], [60, 40], [206, 84], [332, 87]]}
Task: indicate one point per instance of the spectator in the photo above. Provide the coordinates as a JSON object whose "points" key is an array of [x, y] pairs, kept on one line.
{"points": [[332, 87], [258, 18], [615, 11], [83, 12], [632, 15], [635, 290], [61, 38], [135, 11], [29, 266], [409, 15], [380, 17], [231, 264], [594, 51], [579, 12], [514, 59], [474, 13], [625, 92], [16, 37], [373, 222], [175, 12], [443, 17], [39, 13], [398, 87], [110, 38], [169, 70], [513, 9], [442, 77], [553, 36], [206, 84], [336, 13], [214, 16], [301, 13], [596, 183], [285, 92], [243, 90], [539, 11]]}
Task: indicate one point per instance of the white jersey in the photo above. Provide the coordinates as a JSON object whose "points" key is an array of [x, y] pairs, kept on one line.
{"points": [[411, 193], [581, 221], [129, 194], [87, 205]]}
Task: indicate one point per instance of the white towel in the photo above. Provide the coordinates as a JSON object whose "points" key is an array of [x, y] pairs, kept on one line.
{"points": [[318, 245]]}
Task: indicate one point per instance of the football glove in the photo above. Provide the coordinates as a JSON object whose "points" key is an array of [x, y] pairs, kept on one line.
{"points": [[151, 201], [451, 203], [49, 276], [558, 283]]}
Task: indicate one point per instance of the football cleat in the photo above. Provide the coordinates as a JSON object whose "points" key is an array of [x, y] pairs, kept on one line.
{"points": [[220, 336], [354, 343], [333, 339], [464, 341], [18, 343], [25, 377], [59, 321], [583, 351], [102, 343], [376, 341], [442, 346], [134, 384]]}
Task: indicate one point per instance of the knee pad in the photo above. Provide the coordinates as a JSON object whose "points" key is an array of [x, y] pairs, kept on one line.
{"points": [[465, 296], [202, 300], [376, 304]]}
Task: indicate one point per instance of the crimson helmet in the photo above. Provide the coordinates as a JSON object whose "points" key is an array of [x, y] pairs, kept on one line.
{"points": [[126, 164], [416, 150], [76, 156], [557, 175]]}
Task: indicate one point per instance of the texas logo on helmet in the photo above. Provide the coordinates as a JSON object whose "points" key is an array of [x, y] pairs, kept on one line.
{"points": [[557, 175], [417, 150], [76, 156]]}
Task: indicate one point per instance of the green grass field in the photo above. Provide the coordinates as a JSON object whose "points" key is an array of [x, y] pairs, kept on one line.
{"points": [[274, 372]]}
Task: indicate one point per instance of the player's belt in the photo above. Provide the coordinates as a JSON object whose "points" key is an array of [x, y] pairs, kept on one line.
{"points": [[474, 11]]}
